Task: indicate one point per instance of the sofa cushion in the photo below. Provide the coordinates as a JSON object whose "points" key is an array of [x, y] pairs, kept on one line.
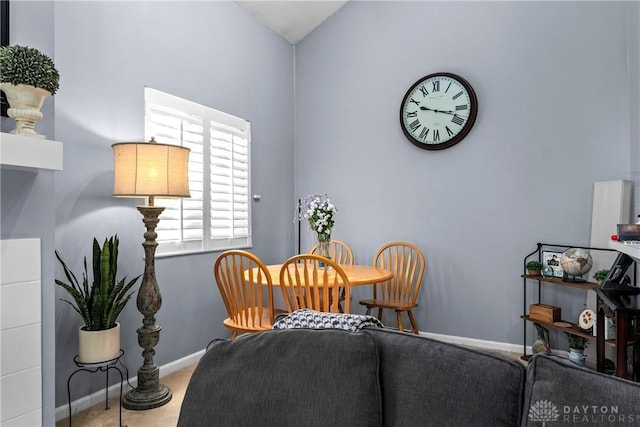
{"points": [[428, 382], [561, 393], [286, 378]]}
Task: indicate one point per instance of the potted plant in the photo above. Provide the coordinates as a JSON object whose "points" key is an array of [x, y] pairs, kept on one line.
{"points": [[600, 275], [27, 77], [534, 268], [577, 344], [98, 303]]}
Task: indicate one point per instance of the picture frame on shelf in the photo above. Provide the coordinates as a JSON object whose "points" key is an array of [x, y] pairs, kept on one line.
{"points": [[552, 259]]}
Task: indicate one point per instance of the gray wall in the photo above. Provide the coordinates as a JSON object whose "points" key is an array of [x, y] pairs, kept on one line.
{"points": [[27, 200], [558, 90], [213, 53], [553, 84]]}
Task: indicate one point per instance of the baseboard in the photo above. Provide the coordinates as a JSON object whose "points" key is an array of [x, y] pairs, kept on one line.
{"points": [[472, 342], [96, 398], [486, 345]]}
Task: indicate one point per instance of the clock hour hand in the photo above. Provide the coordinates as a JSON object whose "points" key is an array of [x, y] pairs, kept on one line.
{"points": [[437, 111]]}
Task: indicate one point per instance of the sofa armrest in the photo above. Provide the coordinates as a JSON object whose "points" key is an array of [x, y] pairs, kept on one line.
{"points": [[558, 390]]}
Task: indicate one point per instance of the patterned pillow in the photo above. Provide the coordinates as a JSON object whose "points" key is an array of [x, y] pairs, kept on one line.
{"points": [[311, 319]]}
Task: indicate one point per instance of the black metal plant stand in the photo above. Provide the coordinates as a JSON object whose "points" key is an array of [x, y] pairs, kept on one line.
{"points": [[100, 367]]}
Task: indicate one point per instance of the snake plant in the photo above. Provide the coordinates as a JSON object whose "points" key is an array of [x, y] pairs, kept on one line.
{"points": [[100, 303]]}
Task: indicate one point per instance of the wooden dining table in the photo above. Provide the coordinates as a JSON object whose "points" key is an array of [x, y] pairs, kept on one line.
{"points": [[357, 274]]}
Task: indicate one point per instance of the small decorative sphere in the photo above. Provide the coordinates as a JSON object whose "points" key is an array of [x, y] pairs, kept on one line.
{"points": [[576, 261]]}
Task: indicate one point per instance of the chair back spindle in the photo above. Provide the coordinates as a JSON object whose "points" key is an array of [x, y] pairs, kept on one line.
{"points": [[314, 282]]}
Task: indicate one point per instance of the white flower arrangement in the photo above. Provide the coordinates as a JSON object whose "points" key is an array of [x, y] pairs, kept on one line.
{"points": [[319, 211]]}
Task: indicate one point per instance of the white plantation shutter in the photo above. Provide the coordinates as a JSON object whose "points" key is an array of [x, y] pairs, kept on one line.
{"points": [[217, 216]]}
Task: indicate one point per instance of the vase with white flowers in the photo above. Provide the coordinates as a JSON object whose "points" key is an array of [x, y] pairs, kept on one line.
{"points": [[318, 210]]}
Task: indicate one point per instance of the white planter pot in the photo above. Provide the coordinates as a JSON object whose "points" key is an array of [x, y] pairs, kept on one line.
{"points": [[98, 346], [577, 356], [25, 103]]}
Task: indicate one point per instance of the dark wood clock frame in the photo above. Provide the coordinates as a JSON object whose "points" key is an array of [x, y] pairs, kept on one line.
{"points": [[467, 127]]}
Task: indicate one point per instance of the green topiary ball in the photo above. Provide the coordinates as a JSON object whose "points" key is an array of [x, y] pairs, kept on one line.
{"points": [[28, 66]]}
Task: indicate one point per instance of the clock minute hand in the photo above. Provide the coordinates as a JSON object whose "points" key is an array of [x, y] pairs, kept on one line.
{"points": [[437, 111]]}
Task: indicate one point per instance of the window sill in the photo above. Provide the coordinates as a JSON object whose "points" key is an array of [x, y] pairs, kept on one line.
{"points": [[197, 251]]}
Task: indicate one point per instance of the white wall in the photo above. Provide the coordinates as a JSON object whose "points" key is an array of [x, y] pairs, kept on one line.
{"points": [[553, 87]]}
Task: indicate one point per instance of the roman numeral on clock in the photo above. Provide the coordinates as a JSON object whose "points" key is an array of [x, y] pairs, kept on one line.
{"points": [[457, 120], [412, 113], [414, 101], [436, 135], [414, 125], [436, 86], [449, 131], [423, 133], [424, 91]]}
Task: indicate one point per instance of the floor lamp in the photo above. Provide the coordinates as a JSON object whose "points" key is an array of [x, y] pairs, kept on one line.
{"points": [[147, 170]]}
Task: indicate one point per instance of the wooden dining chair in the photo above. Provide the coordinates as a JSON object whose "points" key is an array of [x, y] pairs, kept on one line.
{"points": [[341, 253], [400, 292], [315, 282], [241, 277]]}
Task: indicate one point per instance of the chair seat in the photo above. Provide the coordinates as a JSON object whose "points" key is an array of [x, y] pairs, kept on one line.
{"points": [[390, 304], [258, 324]]}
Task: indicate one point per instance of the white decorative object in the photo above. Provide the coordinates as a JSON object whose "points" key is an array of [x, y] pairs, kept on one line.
{"points": [[587, 319], [98, 346], [25, 103]]}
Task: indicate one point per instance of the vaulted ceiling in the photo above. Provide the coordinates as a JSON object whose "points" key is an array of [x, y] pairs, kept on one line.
{"points": [[293, 20]]}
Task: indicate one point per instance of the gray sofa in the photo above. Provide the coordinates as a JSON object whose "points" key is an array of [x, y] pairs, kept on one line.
{"points": [[380, 377]]}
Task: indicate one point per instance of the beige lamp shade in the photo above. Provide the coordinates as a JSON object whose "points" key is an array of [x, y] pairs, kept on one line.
{"points": [[148, 169]]}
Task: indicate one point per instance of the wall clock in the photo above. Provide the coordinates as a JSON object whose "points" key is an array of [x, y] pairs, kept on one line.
{"points": [[438, 111]]}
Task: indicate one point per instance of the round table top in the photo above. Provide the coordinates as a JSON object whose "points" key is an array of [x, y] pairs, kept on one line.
{"points": [[357, 274]]}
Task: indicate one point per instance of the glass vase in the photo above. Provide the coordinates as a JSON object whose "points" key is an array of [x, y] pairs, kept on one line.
{"points": [[324, 240]]}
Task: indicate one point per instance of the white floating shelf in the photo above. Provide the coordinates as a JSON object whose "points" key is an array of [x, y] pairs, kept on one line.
{"points": [[631, 249], [25, 153]]}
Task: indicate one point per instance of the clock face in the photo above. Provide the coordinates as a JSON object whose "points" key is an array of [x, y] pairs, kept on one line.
{"points": [[438, 111]]}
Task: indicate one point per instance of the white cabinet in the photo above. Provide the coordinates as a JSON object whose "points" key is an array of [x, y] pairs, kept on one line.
{"points": [[20, 333]]}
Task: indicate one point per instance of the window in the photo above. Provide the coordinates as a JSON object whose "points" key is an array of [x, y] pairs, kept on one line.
{"points": [[218, 214]]}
